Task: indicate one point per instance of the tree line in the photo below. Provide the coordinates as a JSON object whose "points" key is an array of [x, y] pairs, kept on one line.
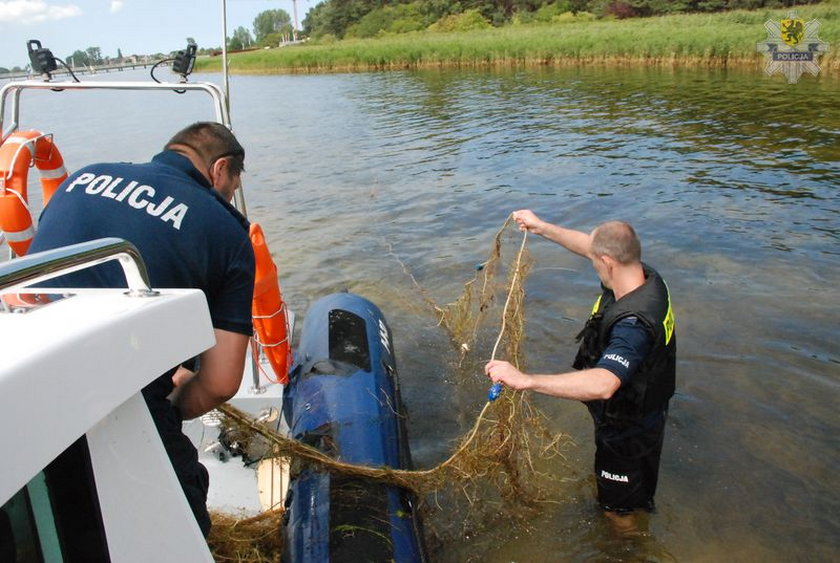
{"points": [[369, 18], [270, 27]]}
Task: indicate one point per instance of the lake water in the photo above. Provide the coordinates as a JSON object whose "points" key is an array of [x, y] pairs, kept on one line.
{"points": [[730, 178]]}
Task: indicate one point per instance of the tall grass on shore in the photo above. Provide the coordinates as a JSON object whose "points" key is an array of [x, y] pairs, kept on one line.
{"points": [[720, 39]]}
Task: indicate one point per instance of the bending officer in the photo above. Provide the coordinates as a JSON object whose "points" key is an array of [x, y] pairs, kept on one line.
{"points": [[176, 210]]}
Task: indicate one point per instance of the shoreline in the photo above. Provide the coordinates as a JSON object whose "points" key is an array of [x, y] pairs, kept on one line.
{"points": [[829, 70], [698, 40]]}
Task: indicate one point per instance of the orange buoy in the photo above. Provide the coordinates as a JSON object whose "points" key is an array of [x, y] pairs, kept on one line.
{"points": [[17, 153], [271, 325]]}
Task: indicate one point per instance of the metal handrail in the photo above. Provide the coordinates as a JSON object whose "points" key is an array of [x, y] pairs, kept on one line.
{"points": [[41, 266], [14, 89]]}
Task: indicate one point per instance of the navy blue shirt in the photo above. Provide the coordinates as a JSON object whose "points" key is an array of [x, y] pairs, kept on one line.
{"points": [[188, 235], [629, 344]]}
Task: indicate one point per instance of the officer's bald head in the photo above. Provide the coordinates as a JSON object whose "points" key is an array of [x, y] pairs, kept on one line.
{"points": [[617, 240]]}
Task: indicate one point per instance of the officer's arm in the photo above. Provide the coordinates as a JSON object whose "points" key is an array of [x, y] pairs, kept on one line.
{"points": [[584, 385], [218, 377], [570, 239]]}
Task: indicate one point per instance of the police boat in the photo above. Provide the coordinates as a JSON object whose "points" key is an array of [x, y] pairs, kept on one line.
{"points": [[86, 476], [91, 480]]}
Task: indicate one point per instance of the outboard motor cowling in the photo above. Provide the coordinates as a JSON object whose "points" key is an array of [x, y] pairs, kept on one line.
{"points": [[344, 400]]}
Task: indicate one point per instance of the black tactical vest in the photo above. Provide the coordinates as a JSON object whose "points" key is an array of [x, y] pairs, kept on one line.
{"points": [[651, 387]]}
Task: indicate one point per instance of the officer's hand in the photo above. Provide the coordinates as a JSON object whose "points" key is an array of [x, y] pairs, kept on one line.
{"points": [[504, 372], [181, 376], [527, 220]]}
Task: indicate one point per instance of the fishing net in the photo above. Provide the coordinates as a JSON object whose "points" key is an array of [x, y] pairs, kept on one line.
{"points": [[504, 466], [248, 540]]}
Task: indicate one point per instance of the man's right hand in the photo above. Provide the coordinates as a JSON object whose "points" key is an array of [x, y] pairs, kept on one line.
{"points": [[527, 221], [218, 377]]}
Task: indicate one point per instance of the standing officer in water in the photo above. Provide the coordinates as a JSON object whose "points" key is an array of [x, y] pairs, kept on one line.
{"points": [[626, 362]]}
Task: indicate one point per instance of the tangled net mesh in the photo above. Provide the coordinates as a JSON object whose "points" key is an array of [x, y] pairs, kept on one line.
{"points": [[503, 467], [249, 540]]}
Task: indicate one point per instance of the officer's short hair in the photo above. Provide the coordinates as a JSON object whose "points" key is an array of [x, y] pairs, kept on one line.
{"points": [[617, 240], [211, 141]]}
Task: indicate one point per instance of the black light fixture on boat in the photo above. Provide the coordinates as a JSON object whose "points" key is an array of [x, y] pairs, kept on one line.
{"points": [[184, 61], [41, 58]]}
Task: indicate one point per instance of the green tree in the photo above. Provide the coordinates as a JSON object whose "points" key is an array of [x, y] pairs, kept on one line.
{"points": [[313, 21], [365, 18], [271, 21], [466, 21], [79, 58], [389, 19], [334, 18], [94, 55], [437, 9], [548, 11], [241, 39]]}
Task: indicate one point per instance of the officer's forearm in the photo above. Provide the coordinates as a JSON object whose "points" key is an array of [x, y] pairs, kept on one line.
{"points": [[194, 399], [572, 240], [586, 385]]}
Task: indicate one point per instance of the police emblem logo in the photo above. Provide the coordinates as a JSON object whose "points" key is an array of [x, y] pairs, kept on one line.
{"points": [[793, 47], [792, 31]]}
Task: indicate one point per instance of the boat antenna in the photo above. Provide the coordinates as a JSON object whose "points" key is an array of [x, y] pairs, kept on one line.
{"points": [[224, 57]]}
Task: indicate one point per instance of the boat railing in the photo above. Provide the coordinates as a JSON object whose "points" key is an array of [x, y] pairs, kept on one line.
{"points": [[42, 266], [11, 92], [10, 102]]}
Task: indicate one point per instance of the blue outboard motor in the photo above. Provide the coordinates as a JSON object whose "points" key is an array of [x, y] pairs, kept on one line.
{"points": [[344, 400]]}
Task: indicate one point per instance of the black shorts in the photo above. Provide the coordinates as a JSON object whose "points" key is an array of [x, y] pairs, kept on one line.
{"points": [[627, 467]]}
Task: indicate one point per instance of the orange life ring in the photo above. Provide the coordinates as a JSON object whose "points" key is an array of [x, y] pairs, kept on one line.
{"points": [[17, 153], [271, 325]]}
